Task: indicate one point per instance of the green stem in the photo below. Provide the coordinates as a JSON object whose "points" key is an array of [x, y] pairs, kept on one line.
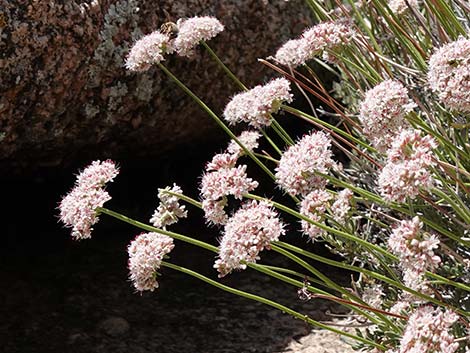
{"points": [[331, 284], [375, 275], [271, 142], [393, 205], [216, 118], [325, 227], [223, 66], [271, 303], [279, 130], [330, 127], [183, 197], [157, 230]]}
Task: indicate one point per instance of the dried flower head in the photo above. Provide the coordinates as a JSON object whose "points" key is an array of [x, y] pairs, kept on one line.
{"points": [[429, 330], [249, 139], [382, 113], [408, 166], [78, 207], [146, 253], [169, 210], [148, 51], [314, 206], [249, 231], [373, 295], [193, 30], [256, 105], [325, 35], [449, 74], [298, 165], [399, 7]]}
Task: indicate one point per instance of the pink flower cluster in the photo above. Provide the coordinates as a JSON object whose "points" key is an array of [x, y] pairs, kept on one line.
{"points": [[78, 207], [148, 51], [298, 165], [193, 30], [249, 231], [325, 35], [256, 105], [146, 253], [249, 139], [429, 330], [449, 74], [407, 169], [314, 206], [169, 210], [223, 178], [152, 48], [342, 206], [415, 251], [382, 113]]}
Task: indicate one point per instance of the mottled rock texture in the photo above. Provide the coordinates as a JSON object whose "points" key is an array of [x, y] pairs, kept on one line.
{"points": [[64, 92]]}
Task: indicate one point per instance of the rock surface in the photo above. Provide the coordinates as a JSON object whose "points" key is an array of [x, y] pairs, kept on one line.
{"points": [[64, 91], [320, 341]]}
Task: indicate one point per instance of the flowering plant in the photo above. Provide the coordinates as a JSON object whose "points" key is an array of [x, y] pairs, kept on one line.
{"points": [[396, 209]]}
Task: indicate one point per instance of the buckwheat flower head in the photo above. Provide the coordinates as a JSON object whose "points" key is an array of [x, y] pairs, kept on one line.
{"points": [[382, 112], [169, 210], [342, 205], [414, 248], [248, 138], [429, 330], [328, 35], [296, 170], [222, 160], [314, 206], [256, 105], [223, 179], [325, 35], [249, 231], [227, 181], [148, 50], [449, 74], [399, 7], [400, 307], [193, 30], [417, 281], [146, 253], [97, 174], [78, 210], [78, 207], [294, 52], [407, 170], [214, 210]]}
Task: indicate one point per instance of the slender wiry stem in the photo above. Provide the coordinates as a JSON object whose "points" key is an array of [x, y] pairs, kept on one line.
{"points": [[217, 120], [271, 303]]}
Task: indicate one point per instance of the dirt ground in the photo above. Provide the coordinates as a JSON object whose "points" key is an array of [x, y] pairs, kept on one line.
{"points": [[79, 300]]}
